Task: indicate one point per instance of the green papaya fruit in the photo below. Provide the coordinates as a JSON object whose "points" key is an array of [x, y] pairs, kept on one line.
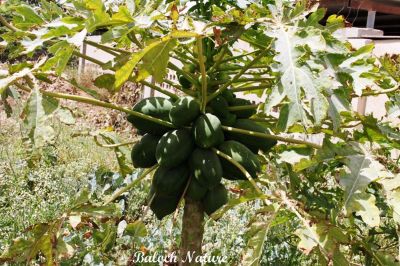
{"points": [[219, 107], [229, 96], [208, 131], [206, 167], [242, 113], [157, 107], [215, 199], [162, 205], [196, 191], [185, 83], [229, 120], [174, 147], [191, 68], [184, 111], [254, 143], [170, 181], [144, 152], [243, 156]]}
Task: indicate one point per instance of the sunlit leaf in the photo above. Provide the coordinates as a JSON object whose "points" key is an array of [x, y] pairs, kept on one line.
{"points": [[363, 169], [363, 204], [136, 229], [40, 132]]}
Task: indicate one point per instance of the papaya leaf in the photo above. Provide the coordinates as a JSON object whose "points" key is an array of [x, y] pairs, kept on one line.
{"points": [[257, 236], [62, 52], [296, 79], [109, 210], [123, 16], [89, 91], [26, 17], [393, 106], [335, 22], [27, 249], [156, 60], [363, 204], [391, 187], [105, 81], [355, 66], [36, 119], [136, 229], [324, 236], [65, 116], [233, 202], [160, 47], [5, 82], [122, 152], [362, 170]]}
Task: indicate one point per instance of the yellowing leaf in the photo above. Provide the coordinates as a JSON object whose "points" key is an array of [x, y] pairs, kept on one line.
{"points": [[124, 73]]}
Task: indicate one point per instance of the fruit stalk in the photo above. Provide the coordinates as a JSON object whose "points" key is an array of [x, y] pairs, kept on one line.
{"points": [[192, 230]]}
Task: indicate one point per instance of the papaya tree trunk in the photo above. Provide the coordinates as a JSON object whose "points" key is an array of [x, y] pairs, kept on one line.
{"points": [[192, 232]]}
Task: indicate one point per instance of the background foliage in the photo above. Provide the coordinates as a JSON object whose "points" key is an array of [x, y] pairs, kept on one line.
{"points": [[336, 201]]}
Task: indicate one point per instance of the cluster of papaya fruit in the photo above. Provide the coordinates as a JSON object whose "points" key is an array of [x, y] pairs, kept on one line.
{"points": [[187, 153]]}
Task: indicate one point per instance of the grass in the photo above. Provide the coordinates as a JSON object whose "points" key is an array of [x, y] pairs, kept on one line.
{"points": [[36, 188]]}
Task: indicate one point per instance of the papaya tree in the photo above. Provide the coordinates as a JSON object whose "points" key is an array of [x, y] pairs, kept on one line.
{"points": [[300, 150]]}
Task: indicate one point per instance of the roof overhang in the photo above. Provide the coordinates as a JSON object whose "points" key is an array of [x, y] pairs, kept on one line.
{"points": [[383, 6]]}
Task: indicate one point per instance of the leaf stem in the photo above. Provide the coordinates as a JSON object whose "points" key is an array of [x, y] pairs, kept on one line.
{"points": [[240, 167], [185, 56], [178, 87], [373, 93], [105, 48], [269, 136], [96, 140], [238, 56], [131, 185], [250, 88], [98, 103], [157, 88], [183, 73], [238, 75], [219, 82], [219, 59], [7, 25], [199, 43], [243, 107], [240, 67], [91, 59]]}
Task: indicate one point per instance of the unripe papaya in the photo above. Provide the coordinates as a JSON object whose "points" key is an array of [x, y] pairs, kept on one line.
{"points": [[208, 131], [144, 152], [215, 199], [195, 190], [242, 113], [254, 143], [206, 167], [184, 111], [191, 68], [229, 120], [185, 83], [219, 107], [157, 107], [174, 147], [229, 96], [163, 205], [243, 156], [170, 181]]}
